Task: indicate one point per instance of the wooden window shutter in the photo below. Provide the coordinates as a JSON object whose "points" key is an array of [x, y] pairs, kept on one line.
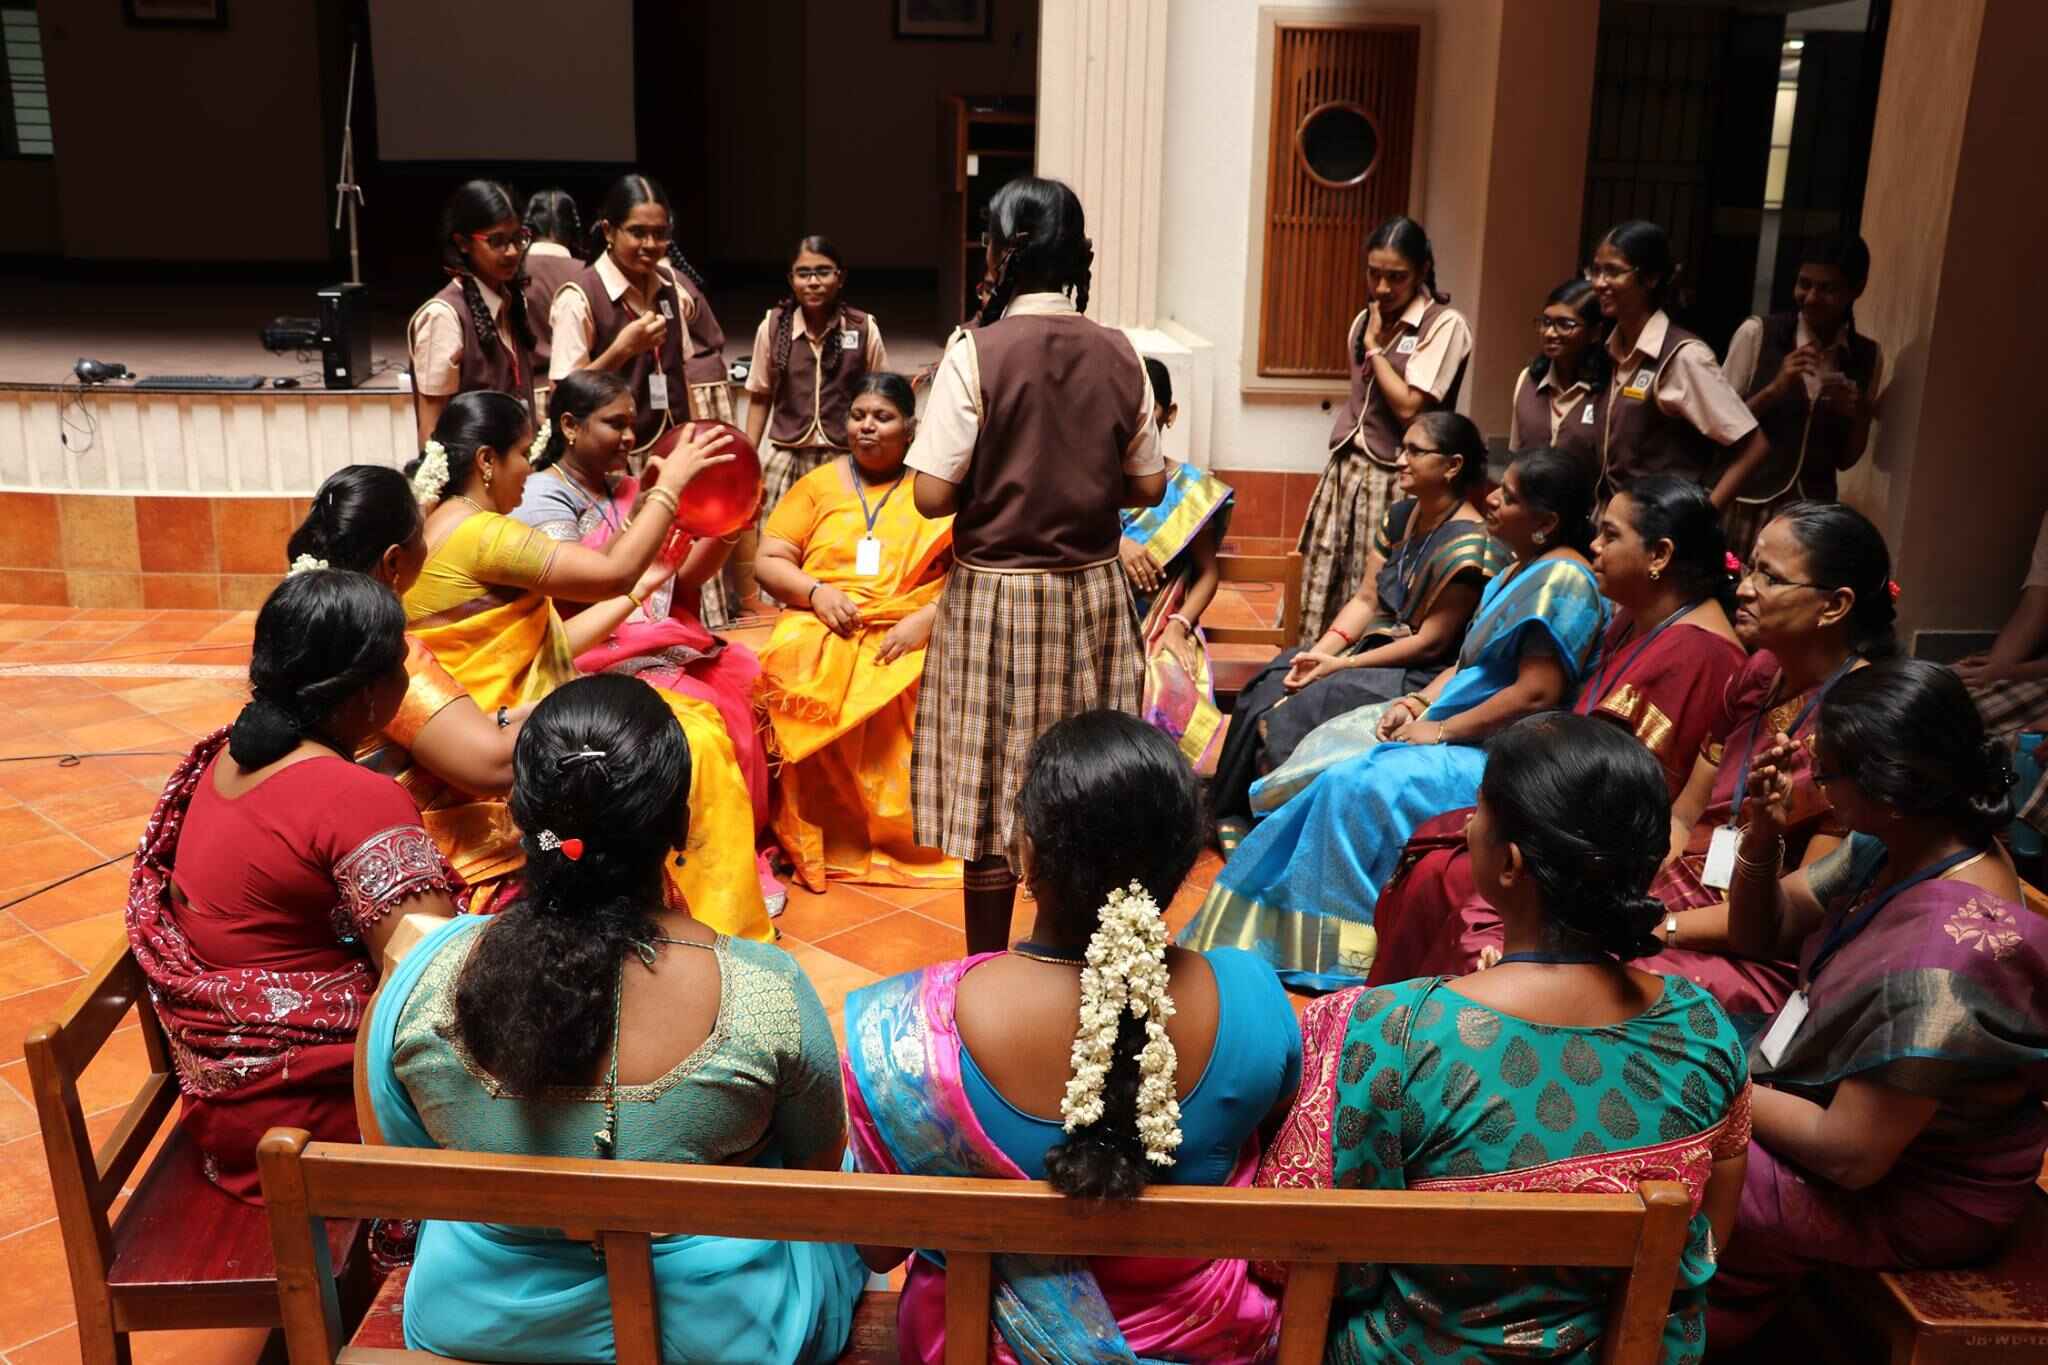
{"points": [[1332, 81]]}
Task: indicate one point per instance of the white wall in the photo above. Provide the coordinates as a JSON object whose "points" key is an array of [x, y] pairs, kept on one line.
{"points": [[1211, 86]]}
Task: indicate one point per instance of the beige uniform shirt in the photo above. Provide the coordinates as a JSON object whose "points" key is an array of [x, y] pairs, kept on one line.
{"points": [[1438, 353], [950, 417], [569, 323], [436, 335], [1692, 387], [1746, 346]]}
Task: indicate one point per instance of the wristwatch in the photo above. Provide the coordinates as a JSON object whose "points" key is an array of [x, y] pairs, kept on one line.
{"points": [[1670, 930]]}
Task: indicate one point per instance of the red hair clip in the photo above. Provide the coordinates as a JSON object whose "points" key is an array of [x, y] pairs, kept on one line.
{"points": [[1892, 586], [1732, 563], [572, 849]]}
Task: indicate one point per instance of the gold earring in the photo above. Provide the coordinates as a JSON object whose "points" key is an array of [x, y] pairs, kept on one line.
{"points": [[1655, 573]]}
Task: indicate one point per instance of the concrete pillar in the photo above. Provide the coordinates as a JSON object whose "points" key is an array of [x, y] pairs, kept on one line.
{"points": [[1954, 219]]}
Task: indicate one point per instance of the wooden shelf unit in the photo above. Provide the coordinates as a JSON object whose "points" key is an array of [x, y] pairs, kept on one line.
{"points": [[984, 143]]}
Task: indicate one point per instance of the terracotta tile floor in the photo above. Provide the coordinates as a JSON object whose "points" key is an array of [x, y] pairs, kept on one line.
{"points": [[146, 685]]}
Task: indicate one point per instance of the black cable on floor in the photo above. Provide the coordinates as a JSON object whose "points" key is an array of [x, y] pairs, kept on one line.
{"points": [[106, 862]]}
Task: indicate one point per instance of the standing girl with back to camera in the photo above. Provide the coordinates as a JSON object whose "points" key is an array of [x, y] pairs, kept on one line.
{"points": [[1038, 429], [798, 395], [474, 334], [556, 229], [1407, 352]]}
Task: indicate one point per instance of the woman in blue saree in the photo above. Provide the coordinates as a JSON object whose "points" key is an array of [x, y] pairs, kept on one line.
{"points": [[595, 1014], [1301, 888]]}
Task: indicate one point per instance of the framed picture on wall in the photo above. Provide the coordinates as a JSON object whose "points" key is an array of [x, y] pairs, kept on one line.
{"points": [[177, 13], [943, 18]]}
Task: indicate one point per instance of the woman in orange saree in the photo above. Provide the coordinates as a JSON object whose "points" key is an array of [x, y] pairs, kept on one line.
{"points": [[860, 570], [483, 604]]}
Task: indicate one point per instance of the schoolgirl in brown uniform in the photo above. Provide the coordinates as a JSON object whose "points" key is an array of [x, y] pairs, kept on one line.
{"points": [[624, 312], [551, 262], [1560, 396], [1037, 430], [1407, 352], [1670, 410], [1812, 380], [475, 333]]}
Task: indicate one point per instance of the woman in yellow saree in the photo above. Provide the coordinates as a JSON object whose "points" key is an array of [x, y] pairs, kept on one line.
{"points": [[483, 604], [860, 570], [453, 759]]}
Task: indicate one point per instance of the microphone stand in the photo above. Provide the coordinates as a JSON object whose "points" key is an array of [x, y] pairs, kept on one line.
{"points": [[348, 194]]}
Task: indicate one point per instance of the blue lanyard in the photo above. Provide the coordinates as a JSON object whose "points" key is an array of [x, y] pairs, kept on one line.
{"points": [[1798, 722], [876, 515], [1559, 959], [1592, 695], [1854, 924]]}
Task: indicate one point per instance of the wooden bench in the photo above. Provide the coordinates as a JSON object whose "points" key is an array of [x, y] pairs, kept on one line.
{"points": [[622, 1204], [1230, 676], [181, 1254]]}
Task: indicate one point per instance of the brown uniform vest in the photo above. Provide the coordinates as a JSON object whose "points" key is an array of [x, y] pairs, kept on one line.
{"points": [[1637, 437], [1805, 440], [500, 367], [1365, 414], [1059, 407], [1575, 435], [705, 361], [608, 317], [808, 388], [544, 275]]}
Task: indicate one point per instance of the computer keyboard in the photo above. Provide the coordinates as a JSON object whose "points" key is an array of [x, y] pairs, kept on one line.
{"points": [[201, 381]]}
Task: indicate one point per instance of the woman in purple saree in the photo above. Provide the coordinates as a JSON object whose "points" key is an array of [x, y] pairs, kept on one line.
{"points": [[1164, 1065], [1898, 1105]]}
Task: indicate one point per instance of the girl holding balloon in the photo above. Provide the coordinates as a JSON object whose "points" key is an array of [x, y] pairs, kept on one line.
{"points": [[580, 492]]}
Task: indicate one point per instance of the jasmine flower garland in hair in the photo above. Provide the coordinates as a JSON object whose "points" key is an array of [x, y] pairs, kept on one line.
{"points": [[1127, 971], [432, 475], [540, 442], [305, 564]]}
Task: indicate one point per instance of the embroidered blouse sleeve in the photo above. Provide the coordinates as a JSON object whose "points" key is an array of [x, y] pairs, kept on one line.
{"points": [[1734, 1137], [429, 688], [512, 554], [380, 854], [810, 1106]]}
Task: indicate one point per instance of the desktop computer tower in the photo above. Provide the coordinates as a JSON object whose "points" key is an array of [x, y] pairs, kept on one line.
{"points": [[345, 335]]}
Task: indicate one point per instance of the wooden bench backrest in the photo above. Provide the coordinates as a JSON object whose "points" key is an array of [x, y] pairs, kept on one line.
{"points": [[1282, 569], [86, 1182], [621, 1204]]}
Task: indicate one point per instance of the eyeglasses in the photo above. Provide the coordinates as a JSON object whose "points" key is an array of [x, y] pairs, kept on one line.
{"points": [[649, 236], [1609, 274], [1562, 326], [500, 241], [1769, 581], [815, 274], [1413, 451]]}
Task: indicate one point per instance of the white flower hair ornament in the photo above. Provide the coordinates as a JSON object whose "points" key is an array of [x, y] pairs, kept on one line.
{"points": [[306, 564], [540, 441], [1127, 971], [431, 477]]}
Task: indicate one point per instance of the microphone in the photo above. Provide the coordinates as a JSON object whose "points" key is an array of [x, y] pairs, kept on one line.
{"points": [[100, 371]]}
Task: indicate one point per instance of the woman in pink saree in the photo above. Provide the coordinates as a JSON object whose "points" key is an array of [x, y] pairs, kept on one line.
{"points": [[948, 1079], [580, 491]]}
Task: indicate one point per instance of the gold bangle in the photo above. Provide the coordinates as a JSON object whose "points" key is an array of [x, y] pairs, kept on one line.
{"points": [[635, 599], [666, 499]]}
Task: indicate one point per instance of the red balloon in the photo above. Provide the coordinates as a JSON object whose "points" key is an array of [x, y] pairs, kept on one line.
{"points": [[720, 500]]}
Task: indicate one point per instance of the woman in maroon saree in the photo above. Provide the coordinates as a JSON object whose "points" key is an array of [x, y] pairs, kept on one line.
{"points": [[1898, 1102], [1666, 668], [267, 880]]}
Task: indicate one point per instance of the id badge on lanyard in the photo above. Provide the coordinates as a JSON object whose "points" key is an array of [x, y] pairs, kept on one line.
{"points": [[657, 382]]}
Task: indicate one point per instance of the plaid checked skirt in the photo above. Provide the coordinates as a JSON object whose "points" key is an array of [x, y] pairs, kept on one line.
{"points": [[1012, 654], [1350, 502]]}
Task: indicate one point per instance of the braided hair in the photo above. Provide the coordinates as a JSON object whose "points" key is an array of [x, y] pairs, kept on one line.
{"points": [[1107, 800], [321, 638], [1588, 807], [1039, 227], [551, 214], [786, 310], [601, 760], [1403, 236], [474, 207]]}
